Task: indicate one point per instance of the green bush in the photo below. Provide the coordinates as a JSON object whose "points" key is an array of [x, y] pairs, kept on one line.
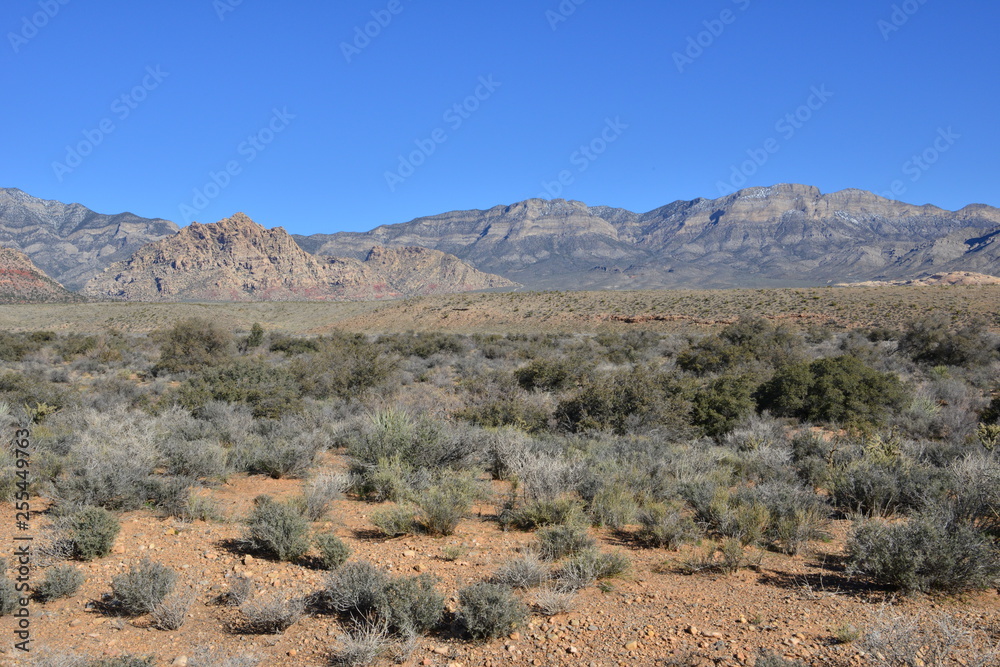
{"points": [[488, 611], [928, 553], [547, 375], [271, 614], [143, 587], [61, 581], [269, 391], [93, 531], [444, 505], [833, 389], [933, 340], [277, 530], [395, 521], [545, 512], [723, 404], [524, 571], [333, 551], [191, 345]]}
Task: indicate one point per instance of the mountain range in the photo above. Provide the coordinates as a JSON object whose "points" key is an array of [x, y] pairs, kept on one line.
{"points": [[779, 236]]}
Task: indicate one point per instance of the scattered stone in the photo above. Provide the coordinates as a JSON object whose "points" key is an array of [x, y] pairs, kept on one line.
{"points": [[632, 646], [409, 554], [180, 661], [692, 630]]}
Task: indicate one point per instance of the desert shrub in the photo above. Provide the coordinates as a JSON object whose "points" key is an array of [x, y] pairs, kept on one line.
{"points": [[495, 407], [444, 505], [254, 339], [417, 442], [904, 639], [197, 459], [356, 589], [276, 457], [395, 520], [16, 346], [38, 397], [191, 345], [614, 506], [269, 391], [488, 611], [525, 571], [879, 485], [623, 402], [786, 515], [424, 344], [406, 605], [935, 341], [555, 542], [666, 525], [293, 345], [590, 565], [9, 596], [724, 403], [333, 551], [61, 581], [711, 354], [362, 644], [728, 556], [545, 512], [552, 600], [762, 340], [837, 389], [93, 531], [320, 491], [143, 587], [277, 529], [547, 375], [241, 589], [171, 613], [345, 366], [930, 552], [270, 614], [771, 659]]}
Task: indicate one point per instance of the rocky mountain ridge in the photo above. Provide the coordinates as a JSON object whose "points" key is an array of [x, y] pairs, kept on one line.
{"points": [[70, 242], [23, 282], [238, 260], [785, 235]]}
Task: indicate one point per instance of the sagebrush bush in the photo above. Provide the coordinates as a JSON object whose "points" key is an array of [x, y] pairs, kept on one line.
{"points": [[60, 581], [555, 542], [395, 521], [143, 587], [322, 490], [930, 552], [590, 565], [9, 596], [277, 529], [362, 644], [488, 611], [271, 614], [406, 605], [546, 512], [333, 551], [666, 525], [524, 571], [93, 531], [446, 503], [171, 613]]}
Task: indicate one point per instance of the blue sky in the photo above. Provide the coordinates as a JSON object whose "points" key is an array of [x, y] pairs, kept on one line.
{"points": [[291, 113]]}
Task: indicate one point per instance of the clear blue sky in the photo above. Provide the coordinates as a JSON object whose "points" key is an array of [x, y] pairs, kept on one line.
{"points": [[201, 77]]}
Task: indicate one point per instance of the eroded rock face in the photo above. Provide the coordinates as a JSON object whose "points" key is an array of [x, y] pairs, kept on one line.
{"points": [[23, 282], [785, 235], [238, 260], [70, 242]]}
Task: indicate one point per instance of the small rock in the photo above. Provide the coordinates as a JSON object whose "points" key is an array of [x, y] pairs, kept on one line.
{"points": [[692, 630], [572, 649], [419, 567], [409, 554], [180, 661], [515, 635], [248, 560], [292, 653], [441, 650], [632, 646], [75, 622]]}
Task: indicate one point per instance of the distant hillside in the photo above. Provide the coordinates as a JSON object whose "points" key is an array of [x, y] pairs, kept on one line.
{"points": [[786, 235], [70, 242], [23, 282], [238, 260]]}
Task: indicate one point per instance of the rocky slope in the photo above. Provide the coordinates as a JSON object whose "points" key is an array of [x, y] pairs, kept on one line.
{"points": [[785, 235], [23, 282], [70, 242], [238, 260]]}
